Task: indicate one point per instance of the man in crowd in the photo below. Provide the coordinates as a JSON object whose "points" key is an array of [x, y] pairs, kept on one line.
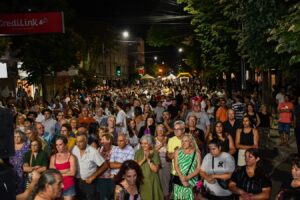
{"points": [[232, 124], [203, 122], [49, 186], [285, 110], [121, 122], [175, 143], [221, 114], [121, 153], [49, 122], [90, 164], [100, 117], [238, 108], [167, 122]]}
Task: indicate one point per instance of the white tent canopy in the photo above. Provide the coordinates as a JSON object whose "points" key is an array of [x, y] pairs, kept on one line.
{"points": [[171, 76], [147, 77]]}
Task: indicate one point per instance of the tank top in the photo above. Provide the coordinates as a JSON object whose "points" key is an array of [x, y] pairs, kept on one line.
{"points": [[246, 138], [67, 180]]}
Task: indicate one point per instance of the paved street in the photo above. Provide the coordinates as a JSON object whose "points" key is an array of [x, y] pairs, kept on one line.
{"points": [[277, 160]]}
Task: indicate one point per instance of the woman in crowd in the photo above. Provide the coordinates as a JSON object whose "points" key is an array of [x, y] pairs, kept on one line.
{"points": [[66, 131], [253, 116], [147, 111], [226, 140], [138, 118], [246, 138], [133, 134], [249, 182], [35, 159], [264, 126], [210, 110], [165, 167], [20, 122], [69, 114], [149, 161], [21, 147], [187, 166], [148, 128], [291, 186], [65, 162], [216, 170], [128, 181], [105, 186], [74, 124]]}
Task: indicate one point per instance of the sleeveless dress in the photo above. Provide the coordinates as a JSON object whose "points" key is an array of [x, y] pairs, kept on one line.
{"points": [[245, 139], [68, 181], [184, 162]]}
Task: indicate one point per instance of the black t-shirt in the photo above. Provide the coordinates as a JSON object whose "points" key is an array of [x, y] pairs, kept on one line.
{"points": [[264, 120], [253, 184], [231, 130]]}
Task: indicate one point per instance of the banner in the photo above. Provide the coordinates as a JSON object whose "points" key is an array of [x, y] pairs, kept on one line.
{"points": [[31, 23]]}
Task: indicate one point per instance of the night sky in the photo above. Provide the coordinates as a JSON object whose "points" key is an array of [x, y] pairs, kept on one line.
{"points": [[134, 15]]}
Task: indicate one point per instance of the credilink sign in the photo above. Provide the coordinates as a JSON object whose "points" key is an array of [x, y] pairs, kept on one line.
{"points": [[31, 23]]}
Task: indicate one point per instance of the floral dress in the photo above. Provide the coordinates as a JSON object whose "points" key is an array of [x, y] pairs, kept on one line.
{"points": [[17, 162]]}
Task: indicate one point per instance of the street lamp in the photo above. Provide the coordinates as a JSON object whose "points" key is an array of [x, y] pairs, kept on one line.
{"points": [[180, 50], [125, 34], [155, 57]]}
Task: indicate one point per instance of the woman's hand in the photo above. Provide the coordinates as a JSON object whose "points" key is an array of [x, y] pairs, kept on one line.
{"points": [[210, 179], [146, 154]]}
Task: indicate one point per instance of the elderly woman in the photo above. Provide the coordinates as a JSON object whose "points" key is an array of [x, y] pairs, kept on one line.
{"points": [[149, 161], [249, 182], [21, 147], [161, 147], [35, 159], [187, 165], [217, 168]]}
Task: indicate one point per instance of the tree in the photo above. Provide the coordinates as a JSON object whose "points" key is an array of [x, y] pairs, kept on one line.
{"points": [[4, 45], [214, 32], [286, 34], [45, 55]]}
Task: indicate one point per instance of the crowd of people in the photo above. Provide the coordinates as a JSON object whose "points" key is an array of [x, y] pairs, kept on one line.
{"points": [[172, 141]]}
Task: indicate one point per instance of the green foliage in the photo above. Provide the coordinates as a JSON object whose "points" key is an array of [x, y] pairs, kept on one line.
{"points": [[163, 36], [85, 80], [47, 54], [213, 32], [287, 35], [4, 44], [255, 18]]}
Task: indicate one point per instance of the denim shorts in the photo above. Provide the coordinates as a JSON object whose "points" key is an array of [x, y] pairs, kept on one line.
{"points": [[70, 191], [284, 128]]}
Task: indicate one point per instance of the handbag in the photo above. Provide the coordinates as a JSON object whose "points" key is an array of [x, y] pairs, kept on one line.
{"points": [[176, 179], [223, 183]]}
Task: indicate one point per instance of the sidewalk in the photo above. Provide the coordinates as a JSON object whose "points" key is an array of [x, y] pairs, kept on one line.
{"points": [[277, 159]]}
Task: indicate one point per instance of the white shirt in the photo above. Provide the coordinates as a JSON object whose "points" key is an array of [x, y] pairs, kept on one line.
{"points": [[121, 120], [224, 163], [49, 125], [121, 155], [88, 163]]}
